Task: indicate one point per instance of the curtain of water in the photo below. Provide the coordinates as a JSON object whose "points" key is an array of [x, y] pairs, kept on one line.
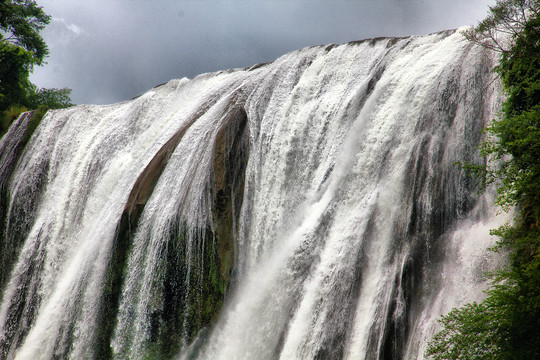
{"points": [[330, 172]]}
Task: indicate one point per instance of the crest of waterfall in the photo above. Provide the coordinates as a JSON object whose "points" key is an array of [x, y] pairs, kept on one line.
{"points": [[308, 208]]}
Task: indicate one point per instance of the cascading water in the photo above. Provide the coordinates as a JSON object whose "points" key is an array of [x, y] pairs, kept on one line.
{"points": [[305, 209]]}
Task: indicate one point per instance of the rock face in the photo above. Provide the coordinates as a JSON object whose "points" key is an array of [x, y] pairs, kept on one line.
{"points": [[307, 208], [183, 315]]}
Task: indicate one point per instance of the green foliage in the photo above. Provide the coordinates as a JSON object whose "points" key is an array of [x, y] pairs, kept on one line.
{"points": [[517, 133], [14, 112], [14, 72], [22, 47], [505, 325], [8, 116], [470, 332], [20, 24], [52, 98], [34, 122]]}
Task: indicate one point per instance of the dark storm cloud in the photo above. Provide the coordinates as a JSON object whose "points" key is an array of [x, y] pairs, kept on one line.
{"points": [[109, 51]]}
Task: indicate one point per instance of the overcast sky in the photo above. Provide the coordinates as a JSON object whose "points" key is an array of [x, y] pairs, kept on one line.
{"points": [[112, 50]]}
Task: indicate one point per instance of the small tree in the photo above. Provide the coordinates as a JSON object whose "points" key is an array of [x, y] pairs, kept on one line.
{"points": [[504, 24], [52, 98], [22, 47], [20, 24]]}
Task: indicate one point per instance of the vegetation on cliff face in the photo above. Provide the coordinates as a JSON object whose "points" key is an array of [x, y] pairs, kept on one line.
{"points": [[505, 325]]}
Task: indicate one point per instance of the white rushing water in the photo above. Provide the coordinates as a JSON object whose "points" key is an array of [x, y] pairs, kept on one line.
{"points": [[354, 229]]}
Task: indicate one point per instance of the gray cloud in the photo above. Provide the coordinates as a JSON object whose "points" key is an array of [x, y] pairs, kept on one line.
{"points": [[109, 51]]}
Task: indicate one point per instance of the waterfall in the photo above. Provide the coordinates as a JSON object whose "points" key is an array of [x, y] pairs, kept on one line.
{"points": [[309, 208]]}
